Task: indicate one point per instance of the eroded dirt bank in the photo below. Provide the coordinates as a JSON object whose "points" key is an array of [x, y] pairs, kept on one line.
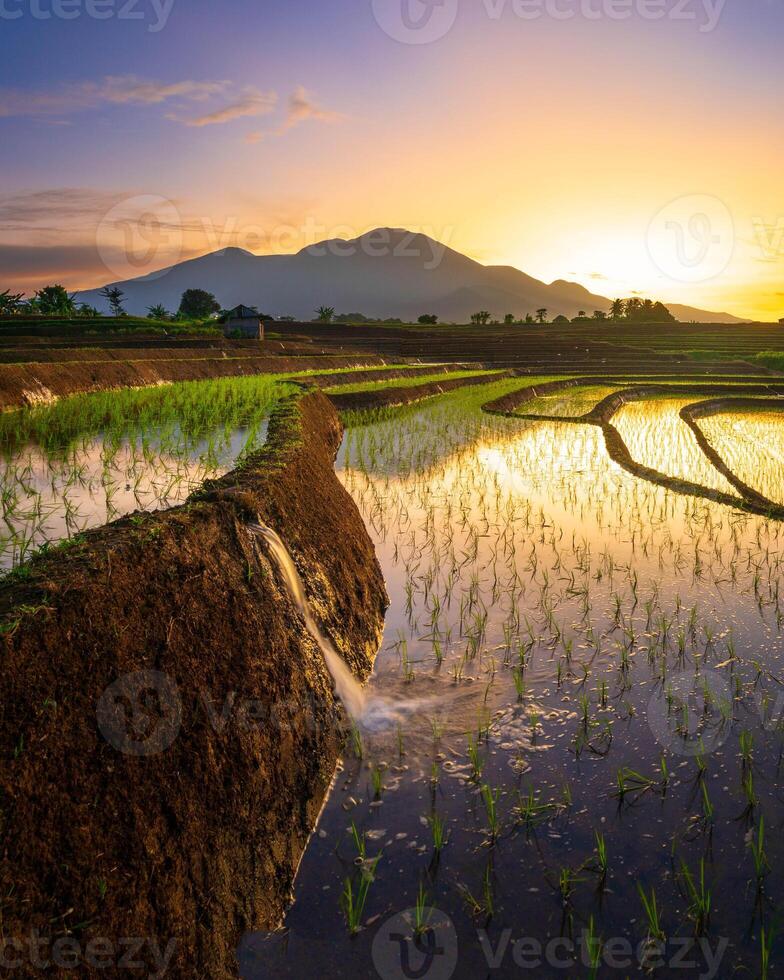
{"points": [[167, 726]]}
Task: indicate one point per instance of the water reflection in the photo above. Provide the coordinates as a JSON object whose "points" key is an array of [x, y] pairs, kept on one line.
{"points": [[751, 445], [587, 650], [47, 497]]}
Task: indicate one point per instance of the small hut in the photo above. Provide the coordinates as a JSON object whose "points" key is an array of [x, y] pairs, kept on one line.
{"points": [[245, 322]]}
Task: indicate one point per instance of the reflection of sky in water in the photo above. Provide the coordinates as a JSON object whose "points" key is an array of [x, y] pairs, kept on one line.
{"points": [[573, 402], [751, 445], [657, 438], [545, 496], [507, 542], [46, 498]]}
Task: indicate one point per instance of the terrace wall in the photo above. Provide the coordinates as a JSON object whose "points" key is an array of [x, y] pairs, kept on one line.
{"points": [[168, 728]]}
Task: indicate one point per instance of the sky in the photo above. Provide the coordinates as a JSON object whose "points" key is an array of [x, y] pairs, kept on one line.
{"points": [[634, 146]]}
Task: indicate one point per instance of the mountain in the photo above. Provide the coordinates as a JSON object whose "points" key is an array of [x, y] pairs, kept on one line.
{"points": [[384, 273]]}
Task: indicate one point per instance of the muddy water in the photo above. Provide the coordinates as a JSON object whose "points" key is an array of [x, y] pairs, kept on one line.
{"points": [[558, 623]]}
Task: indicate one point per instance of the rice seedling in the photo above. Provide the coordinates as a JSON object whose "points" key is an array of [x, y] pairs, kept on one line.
{"points": [[655, 931], [439, 832], [477, 763], [699, 897], [359, 843], [357, 745], [490, 799], [594, 946], [601, 857], [757, 847], [354, 896], [767, 937]]}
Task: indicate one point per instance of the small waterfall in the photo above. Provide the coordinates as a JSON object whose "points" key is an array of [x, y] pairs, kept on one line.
{"points": [[346, 685]]}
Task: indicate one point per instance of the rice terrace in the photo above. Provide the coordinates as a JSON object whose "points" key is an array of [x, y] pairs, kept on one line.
{"points": [[391, 490], [572, 728]]}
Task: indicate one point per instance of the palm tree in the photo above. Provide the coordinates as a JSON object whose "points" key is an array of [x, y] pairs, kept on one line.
{"points": [[114, 297], [10, 302], [617, 309], [326, 314], [541, 315], [158, 312]]}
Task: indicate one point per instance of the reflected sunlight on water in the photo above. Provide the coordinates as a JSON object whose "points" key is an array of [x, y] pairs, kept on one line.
{"points": [[547, 610]]}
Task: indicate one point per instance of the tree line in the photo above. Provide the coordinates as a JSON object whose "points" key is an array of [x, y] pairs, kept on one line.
{"points": [[195, 304], [198, 304], [634, 310]]}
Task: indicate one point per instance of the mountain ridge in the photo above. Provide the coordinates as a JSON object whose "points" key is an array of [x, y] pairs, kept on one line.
{"points": [[387, 272]]}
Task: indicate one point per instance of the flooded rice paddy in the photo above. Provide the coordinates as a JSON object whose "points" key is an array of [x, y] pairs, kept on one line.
{"points": [[94, 458], [588, 782], [583, 778]]}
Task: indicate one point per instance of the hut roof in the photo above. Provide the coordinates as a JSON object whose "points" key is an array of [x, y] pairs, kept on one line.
{"points": [[242, 313]]}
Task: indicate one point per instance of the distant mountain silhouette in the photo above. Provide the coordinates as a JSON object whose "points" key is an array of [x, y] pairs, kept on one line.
{"points": [[384, 273]]}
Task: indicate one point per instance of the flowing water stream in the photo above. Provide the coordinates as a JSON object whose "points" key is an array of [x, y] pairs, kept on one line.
{"points": [[348, 688]]}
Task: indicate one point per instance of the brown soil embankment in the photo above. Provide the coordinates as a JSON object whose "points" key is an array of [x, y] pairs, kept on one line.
{"points": [[507, 404], [37, 383], [54, 353], [409, 394], [168, 727]]}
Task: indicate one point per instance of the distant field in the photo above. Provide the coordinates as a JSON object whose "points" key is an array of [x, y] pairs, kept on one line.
{"points": [[24, 326]]}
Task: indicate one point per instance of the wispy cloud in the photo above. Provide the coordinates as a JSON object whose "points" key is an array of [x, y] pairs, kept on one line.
{"points": [[111, 90], [57, 105], [302, 108], [55, 208], [252, 102]]}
